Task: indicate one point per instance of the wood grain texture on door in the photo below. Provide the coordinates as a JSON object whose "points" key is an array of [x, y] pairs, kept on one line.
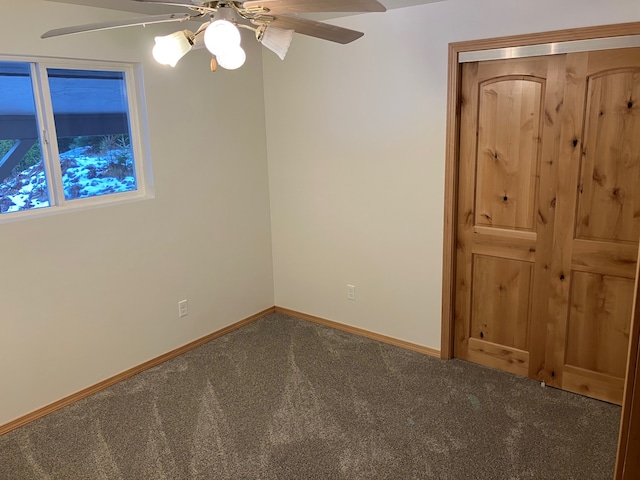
{"points": [[510, 110], [601, 254], [609, 200], [499, 213], [549, 217]]}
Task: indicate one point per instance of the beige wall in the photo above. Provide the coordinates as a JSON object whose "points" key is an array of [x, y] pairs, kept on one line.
{"points": [[356, 140], [88, 294]]}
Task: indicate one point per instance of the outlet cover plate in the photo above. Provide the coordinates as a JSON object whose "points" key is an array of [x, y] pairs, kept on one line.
{"points": [[183, 308]]}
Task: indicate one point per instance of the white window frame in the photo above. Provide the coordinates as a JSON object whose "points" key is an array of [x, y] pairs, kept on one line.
{"points": [[48, 138]]}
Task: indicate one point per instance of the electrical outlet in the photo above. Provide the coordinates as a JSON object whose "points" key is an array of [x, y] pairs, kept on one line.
{"points": [[183, 308], [351, 292]]}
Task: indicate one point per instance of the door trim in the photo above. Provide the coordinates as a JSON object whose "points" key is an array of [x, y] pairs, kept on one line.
{"points": [[630, 410]]}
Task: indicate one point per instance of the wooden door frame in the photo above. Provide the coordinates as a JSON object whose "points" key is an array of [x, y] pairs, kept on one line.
{"points": [[630, 421]]}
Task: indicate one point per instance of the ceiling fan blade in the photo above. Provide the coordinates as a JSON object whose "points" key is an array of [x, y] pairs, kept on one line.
{"points": [[276, 7], [91, 27], [177, 3], [312, 28]]}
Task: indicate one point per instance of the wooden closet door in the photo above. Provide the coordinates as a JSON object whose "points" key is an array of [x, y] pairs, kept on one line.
{"points": [[597, 224], [549, 217], [509, 136]]}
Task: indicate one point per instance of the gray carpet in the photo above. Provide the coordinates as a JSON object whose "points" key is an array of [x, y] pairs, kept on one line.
{"points": [[286, 399]]}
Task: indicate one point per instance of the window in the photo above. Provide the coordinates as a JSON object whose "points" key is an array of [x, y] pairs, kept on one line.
{"points": [[69, 136]]}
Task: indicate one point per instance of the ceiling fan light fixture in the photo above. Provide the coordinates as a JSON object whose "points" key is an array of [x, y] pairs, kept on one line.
{"points": [[277, 40], [220, 21], [171, 48], [221, 35], [232, 58]]}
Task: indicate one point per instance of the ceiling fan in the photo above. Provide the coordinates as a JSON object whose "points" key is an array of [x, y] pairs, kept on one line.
{"points": [[273, 21]]}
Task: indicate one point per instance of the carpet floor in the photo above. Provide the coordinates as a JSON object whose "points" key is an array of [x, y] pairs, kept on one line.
{"points": [[283, 398]]}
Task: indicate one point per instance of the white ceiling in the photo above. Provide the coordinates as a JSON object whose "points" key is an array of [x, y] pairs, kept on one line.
{"points": [[152, 9]]}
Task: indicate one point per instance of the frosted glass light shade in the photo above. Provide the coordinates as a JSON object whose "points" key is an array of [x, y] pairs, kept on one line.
{"points": [[171, 48], [277, 40], [221, 35], [232, 58]]}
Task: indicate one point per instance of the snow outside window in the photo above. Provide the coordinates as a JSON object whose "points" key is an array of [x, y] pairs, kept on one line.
{"points": [[69, 136]]}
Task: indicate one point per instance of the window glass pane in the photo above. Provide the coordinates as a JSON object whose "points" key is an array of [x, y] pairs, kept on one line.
{"points": [[92, 125], [23, 182]]}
